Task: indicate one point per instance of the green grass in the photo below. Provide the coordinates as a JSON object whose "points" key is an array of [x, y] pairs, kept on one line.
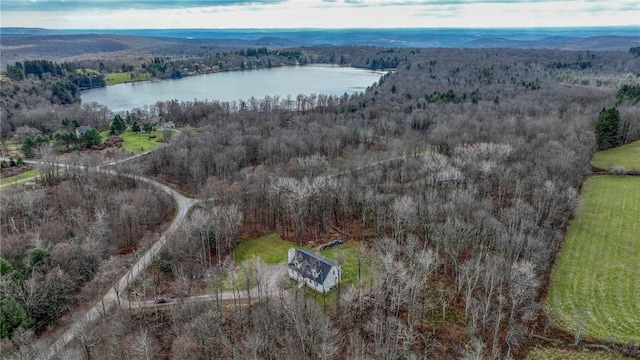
{"points": [[18, 178], [596, 277], [119, 77], [273, 250], [269, 247], [138, 142], [627, 156], [577, 354], [141, 142]]}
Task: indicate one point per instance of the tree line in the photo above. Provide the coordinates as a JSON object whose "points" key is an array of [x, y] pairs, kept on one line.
{"points": [[461, 266]]}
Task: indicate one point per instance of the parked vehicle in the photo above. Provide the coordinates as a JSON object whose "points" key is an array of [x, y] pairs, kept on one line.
{"points": [[331, 243], [161, 300]]}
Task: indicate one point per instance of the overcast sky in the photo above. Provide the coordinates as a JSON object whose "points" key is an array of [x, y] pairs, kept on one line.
{"points": [[149, 14]]}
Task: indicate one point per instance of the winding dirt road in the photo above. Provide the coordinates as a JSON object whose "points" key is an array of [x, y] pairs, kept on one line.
{"points": [[113, 297]]}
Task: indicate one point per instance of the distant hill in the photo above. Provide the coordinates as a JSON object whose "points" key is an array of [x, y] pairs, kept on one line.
{"points": [[26, 31], [606, 42], [34, 43]]}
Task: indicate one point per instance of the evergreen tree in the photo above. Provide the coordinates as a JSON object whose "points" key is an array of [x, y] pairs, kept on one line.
{"points": [[91, 138], [12, 315], [117, 125], [135, 127], [608, 128], [27, 146]]}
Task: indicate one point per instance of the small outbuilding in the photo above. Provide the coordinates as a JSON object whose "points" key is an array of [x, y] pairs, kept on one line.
{"points": [[30, 184], [449, 177], [316, 271]]}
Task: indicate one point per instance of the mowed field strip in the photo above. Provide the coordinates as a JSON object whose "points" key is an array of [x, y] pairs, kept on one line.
{"points": [[596, 279], [627, 156], [573, 354]]}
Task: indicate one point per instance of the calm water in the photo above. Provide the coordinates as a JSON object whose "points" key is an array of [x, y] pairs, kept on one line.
{"points": [[236, 85]]}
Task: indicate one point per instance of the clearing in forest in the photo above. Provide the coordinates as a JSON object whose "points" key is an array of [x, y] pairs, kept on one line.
{"points": [[594, 286], [20, 178], [273, 250], [627, 156], [140, 141], [548, 353], [125, 77]]}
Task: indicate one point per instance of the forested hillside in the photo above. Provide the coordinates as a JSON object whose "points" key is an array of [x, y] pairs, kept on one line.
{"points": [[458, 172]]}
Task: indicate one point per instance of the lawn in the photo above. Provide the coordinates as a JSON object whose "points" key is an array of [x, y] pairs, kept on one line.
{"points": [[595, 279], [273, 250], [577, 354], [120, 77], [627, 156], [141, 142], [138, 142], [269, 247], [20, 177]]}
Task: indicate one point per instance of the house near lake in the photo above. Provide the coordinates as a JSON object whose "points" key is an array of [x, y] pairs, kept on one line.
{"points": [[317, 272], [83, 129]]}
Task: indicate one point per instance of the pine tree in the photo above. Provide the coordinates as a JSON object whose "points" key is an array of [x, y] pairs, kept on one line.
{"points": [[608, 128], [117, 125]]}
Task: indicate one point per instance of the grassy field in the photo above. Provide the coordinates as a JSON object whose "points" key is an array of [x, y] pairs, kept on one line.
{"points": [[138, 142], [273, 250], [18, 178], [119, 77], [561, 354], [269, 247], [141, 142], [627, 156], [595, 279]]}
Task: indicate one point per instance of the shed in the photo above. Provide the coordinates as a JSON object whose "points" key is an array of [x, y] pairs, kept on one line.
{"points": [[449, 177]]}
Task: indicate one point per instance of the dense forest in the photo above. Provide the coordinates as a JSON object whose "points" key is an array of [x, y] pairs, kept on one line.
{"points": [[458, 171]]}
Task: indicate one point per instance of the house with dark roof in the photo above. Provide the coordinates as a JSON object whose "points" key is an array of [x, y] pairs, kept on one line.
{"points": [[83, 129], [317, 272]]}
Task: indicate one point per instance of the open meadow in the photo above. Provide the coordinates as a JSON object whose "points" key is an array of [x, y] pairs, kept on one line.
{"points": [[627, 156], [20, 178], [563, 354], [594, 286], [273, 250], [125, 77], [140, 141]]}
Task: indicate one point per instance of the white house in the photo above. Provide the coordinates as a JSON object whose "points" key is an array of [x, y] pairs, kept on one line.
{"points": [[316, 271]]}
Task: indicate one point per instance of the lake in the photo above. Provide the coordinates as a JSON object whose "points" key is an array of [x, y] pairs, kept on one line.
{"points": [[236, 85]]}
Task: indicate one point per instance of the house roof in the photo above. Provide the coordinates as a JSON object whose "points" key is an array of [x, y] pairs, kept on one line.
{"points": [[449, 176], [83, 129], [311, 265]]}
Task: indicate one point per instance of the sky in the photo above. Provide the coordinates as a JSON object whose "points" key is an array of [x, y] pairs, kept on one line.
{"points": [[221, 14]]}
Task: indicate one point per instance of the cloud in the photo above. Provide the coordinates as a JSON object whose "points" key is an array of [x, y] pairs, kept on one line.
{"points": [[60, 5], [384, 3]]}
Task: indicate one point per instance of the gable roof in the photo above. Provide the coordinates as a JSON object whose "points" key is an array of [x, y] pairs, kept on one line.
{"points": [[311, 265], [83, 129], [450, 176]]}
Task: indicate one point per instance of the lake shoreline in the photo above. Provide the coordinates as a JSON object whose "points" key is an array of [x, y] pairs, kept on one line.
{"points": [[208, 72], [234, 85]]}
